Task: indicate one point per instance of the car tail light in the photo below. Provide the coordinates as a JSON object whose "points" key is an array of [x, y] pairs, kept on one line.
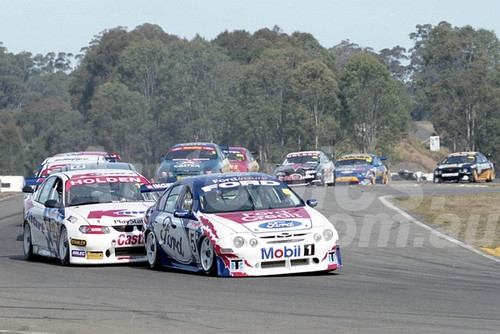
{"points": [[94, 229]]}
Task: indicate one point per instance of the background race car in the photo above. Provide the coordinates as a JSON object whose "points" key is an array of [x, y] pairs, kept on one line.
{"points": [[306, 167], [239, 224], [241, 160], [366, 169], [190, 159], [464, 166], [87, 217]]}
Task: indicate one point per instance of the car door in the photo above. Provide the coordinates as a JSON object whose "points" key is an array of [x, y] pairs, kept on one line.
{"points": [[169, 230], [47, 220]]}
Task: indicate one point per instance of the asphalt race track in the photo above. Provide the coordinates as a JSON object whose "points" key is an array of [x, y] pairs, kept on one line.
{"points": [[398, 277]]}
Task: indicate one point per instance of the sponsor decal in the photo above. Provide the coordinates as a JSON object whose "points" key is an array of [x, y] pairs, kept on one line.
{"points": [[79, 242], [94, 256], [113, 213], [276, 224], [105, 179], [272, 253], [129, 240], [263, 215], [236, 264], [292, 177], [137, 221], [238, 183], [302, 154], [78, 253]]}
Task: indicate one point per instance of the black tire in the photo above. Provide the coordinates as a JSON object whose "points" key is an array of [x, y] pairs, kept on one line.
{"points": [[474, 176], [152, 251], [208, 259], [27, 243], [63, 245]]}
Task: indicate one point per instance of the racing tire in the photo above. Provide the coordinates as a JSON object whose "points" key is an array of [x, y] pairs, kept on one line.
{"points": [[373, 180], [152, 251], [27, 243], [322, 181], [474, 176], [385, 178], [208, 259], [63, 245], [491, 176]]}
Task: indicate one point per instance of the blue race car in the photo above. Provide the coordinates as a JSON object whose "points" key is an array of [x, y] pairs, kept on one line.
{"points": [[189, 159], [238, 224], [366, 169]]}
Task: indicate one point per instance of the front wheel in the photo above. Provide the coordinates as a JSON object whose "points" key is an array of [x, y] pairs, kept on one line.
{"points": [[491, 176], [152, 252], [63, 247], [207, 257], [474, 176], [27, 243], [385, 179]]}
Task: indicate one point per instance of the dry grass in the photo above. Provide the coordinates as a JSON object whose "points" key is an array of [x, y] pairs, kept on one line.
{"points": [[473, 219]]}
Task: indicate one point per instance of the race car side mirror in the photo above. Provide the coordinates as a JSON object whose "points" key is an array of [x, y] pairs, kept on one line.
{"points": [[184, 214], [52, 203], [312, 202], [28, 189]]}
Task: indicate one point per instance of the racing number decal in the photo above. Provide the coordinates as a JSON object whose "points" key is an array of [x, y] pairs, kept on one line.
{"points": [[194, 246]]}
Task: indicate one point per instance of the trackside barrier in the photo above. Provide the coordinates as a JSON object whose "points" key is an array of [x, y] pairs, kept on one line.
{"points": [[10, 183]]}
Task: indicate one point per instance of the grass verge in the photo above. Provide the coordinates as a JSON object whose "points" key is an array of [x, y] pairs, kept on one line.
{"points": [[473, 219]]}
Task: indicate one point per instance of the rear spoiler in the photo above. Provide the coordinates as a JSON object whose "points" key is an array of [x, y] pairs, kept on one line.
{"points": [[33, 181], [152, 187]]}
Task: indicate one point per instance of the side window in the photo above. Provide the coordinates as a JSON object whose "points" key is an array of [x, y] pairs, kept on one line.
{"points": [[47, 190], [172, 197], [480, 158], [187, 200]]}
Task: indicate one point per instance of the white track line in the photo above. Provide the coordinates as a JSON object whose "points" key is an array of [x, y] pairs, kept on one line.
{"points": [[387, 203]]}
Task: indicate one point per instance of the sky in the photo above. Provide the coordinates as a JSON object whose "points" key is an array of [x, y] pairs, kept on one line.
{"points": [[42, 26]]}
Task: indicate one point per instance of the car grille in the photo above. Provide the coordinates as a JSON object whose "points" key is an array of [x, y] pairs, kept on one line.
{"points": [[283, 263], [284, 238], [127, 228], [449, 170], [130, 251]]}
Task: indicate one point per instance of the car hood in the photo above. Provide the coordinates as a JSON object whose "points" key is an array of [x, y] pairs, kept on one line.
{"points": [[462, 165], [191, 165], [296, 167], [268, 221], [128, 213]]}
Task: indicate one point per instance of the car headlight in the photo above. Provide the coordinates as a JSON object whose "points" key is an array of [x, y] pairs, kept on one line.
{"points": [[317, 237], [310, 172], [328, 234], [280, 174], [253, 242], [94, 229], [437, 172], [170, 174], [238, 242], [464, 170]]}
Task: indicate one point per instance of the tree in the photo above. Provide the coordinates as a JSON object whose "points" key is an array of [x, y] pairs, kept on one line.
{"points": [[375, 105]]}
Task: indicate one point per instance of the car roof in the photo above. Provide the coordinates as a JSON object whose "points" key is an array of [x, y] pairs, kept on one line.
{"points": [[195, 144], [304, 152], [203, 180], [100, 164], [353, 155], [96, 172], [463, 153]]}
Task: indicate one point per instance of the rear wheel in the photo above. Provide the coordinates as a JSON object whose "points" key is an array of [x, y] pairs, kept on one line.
{"points": [[152, 252], [207, 257], [373, 180], [63, 247], [491, 176], [27, 243]]}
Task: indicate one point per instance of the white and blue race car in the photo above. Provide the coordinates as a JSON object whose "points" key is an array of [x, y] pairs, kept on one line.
{"points": [[361, 168], [239, 224]]}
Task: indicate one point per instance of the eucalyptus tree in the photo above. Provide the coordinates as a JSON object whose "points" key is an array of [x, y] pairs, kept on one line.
{"points": [[456, 70], [376, 107]]}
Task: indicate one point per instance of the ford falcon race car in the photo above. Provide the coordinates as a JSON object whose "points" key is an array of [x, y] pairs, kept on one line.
{"points": [[87, 217], [241, 160], [366, 169], [189, 159], [464, 166], [306, 167], [239, 224]]}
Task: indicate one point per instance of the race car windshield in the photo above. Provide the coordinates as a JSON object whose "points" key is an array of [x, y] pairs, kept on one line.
{"points": [[191, 154], [459, 159], [352, 162], [303, 159], [235, 156], [248, 198], [107, 193]]}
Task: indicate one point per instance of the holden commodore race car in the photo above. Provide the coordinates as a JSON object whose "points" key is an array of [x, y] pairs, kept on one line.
{"points": [[238, 224], [87, 217], [241, 160], [306, 167], [361, 168], [189, 159], [465, 166]]}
